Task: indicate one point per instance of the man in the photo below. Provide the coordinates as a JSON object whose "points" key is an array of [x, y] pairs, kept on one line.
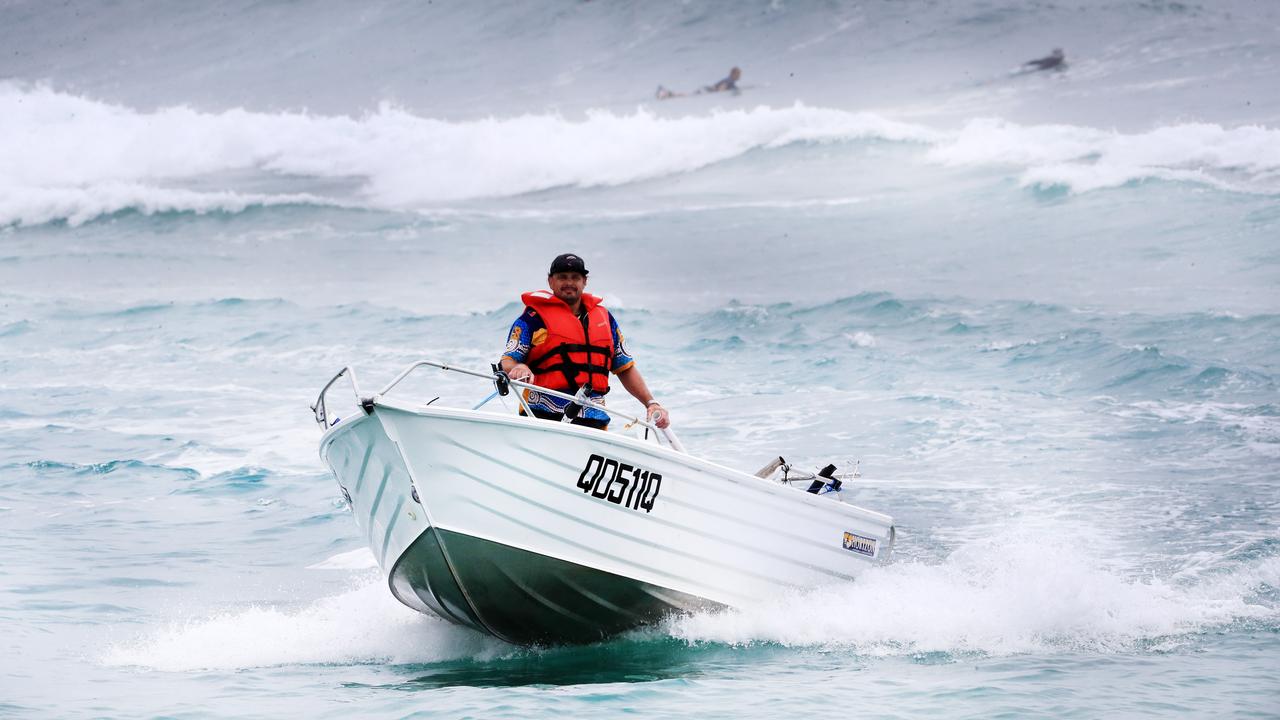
{"points": [[564, 340], [727, 84]]}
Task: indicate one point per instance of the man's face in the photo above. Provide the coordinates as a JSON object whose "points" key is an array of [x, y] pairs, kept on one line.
{"points": [[567, 286]]}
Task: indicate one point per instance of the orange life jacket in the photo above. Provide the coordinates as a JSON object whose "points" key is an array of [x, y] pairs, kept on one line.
{"points": [[576, 352]]}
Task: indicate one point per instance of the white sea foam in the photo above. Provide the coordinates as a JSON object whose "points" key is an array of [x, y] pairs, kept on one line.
{"points": [[1260, 429], [991, 597], [54, 145], [361, 626], [861, 339], [358, 559], [1000, 345], [28, 205], [998, 596], [1084, 158], [68, 157]]}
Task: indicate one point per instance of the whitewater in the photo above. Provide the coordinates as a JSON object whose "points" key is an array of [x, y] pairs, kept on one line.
{"points": [[74, 159], [1041, 309]]}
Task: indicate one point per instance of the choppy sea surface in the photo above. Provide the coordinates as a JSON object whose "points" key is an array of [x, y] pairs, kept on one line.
{"points": [[1042, 309]]}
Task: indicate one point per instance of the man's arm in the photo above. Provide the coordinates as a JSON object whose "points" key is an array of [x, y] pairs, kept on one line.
{"points": [[512, 361], [633, 381], [515, 370], [624, 366]]}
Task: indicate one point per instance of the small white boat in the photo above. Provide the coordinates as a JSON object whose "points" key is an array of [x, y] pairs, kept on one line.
{"points": [[543, 532]]}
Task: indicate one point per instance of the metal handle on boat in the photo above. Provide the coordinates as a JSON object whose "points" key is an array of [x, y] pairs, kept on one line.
{"points": [[666, 433], [672, 440], [320, 409], [427, 363]]}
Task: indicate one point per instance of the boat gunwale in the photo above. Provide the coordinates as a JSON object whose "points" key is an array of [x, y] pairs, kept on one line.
{"points": [[724, 472]]}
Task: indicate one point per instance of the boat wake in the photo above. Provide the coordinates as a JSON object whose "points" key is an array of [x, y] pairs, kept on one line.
{"points": [[997, 596], [365, 624]]}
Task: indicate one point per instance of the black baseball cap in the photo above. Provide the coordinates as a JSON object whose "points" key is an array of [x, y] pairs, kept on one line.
{"points": [[567, 262]]}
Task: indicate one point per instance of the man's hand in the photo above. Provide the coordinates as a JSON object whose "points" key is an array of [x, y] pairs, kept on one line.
{"points": [[658, 415], [520, 372]]}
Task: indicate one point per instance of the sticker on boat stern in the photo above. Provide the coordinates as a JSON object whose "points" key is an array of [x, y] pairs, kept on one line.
{"points": [[620, 483], [861, 545]]}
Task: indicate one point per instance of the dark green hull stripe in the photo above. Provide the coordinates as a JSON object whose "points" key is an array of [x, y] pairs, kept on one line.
{"points": [[524, 597], [421, 577]]}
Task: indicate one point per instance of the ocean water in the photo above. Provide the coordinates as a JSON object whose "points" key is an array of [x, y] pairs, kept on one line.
{"points": [[1042, 310]]}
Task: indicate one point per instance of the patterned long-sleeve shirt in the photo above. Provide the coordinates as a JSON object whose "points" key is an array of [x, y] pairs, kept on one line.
{"points": [[529, 330]]}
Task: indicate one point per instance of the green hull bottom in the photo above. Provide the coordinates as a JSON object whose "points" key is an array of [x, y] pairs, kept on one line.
{"points": [[523, 597]]}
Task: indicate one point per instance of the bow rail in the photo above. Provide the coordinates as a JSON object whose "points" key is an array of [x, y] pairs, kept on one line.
{"points": [[502, 387]]}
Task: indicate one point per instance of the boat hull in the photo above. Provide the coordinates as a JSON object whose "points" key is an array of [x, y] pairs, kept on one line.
{"points": [[372, 476], [523, 597], [541, 532]]}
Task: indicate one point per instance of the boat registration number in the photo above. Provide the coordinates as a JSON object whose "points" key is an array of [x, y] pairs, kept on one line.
{"points": [[620, 483]]}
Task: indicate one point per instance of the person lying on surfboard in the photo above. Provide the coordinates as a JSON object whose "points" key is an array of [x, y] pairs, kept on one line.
{"points": [[1055, 60], [728, 84]]}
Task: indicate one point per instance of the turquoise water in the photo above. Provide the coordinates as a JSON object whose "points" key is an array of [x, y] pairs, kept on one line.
{"points": [[1043, 311]]}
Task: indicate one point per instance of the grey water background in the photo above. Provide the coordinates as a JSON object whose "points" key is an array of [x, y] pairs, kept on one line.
{"points": [[1041, 309]]}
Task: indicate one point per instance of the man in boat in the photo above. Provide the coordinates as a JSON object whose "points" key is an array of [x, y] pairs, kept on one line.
{"points": [[564, 340]]}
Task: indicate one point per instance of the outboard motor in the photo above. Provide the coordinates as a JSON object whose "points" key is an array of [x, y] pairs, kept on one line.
{"points": [[826, 479], [823, 482]]}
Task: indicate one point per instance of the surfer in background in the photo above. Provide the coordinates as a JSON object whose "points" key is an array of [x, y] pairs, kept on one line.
{"points": [[565, 339], [1055, 60], [728, 84]]}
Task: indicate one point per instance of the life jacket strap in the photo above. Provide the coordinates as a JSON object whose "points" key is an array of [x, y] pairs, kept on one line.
{"points": [[558, 360]]}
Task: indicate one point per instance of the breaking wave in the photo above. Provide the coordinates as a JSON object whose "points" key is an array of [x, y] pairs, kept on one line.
{"points": [[1081, 159], [71, 158], [78, 205]]}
